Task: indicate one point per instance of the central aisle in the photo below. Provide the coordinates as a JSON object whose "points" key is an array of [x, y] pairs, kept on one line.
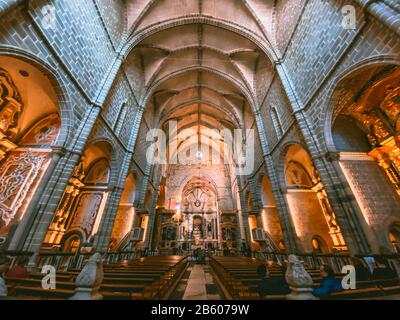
{"points": [[196, 287], [197, 284]]}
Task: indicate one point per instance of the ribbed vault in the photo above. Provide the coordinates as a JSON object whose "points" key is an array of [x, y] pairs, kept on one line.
{"points": [[198, 74]]}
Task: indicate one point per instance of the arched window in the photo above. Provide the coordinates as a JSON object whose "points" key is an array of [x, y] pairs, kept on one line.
{"points": [[319, 245], [297, 176], [250, 205], [277, 123], [394, 237], [72, 244], [99, 172], [348, 136], [267, 196]]}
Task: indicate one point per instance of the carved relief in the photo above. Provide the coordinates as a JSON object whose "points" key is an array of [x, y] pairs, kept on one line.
{"points": [[297, 176], [391, 106], [195, 221], [121, 225], [18, 174], [44, 132], [388, 157], [10, 105], [198, 196], [377, 108], [10, 108], [78, 208], [86, 211], [99, 172]]}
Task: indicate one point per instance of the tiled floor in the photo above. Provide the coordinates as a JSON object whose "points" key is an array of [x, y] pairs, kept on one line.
{"points": [[196, 287], [197, 284]]}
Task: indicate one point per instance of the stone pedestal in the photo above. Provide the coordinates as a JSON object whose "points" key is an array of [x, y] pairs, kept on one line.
{"points": [[299, 280], [89, 280]]}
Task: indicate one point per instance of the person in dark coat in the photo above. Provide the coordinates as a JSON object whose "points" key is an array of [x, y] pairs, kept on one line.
{"points": [[270, 286], [362, 271], [382, 270]]}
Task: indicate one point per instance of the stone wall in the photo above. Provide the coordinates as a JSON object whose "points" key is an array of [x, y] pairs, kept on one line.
{"points": [[179, 175]]}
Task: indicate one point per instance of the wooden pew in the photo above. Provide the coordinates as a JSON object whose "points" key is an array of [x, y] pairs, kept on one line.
{"points": [[240, 278], [142, 279]]}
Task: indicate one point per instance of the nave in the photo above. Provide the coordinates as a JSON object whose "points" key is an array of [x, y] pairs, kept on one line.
{"points": [[141, 138]]}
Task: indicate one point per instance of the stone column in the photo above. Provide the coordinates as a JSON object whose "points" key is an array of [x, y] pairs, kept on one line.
{"points": [[150, 208], [378, 201], [288, 230], [111, 209], [346, 210], [243, 215], [103, 236], [218, 227]]}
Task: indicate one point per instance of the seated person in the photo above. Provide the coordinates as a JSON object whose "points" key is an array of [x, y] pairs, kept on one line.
{"points": [[329, 284], [226, 251], [362, 271], [270, 285], [382, 270], [4, 266], [201, 257], [276, 263], [19, 271]]}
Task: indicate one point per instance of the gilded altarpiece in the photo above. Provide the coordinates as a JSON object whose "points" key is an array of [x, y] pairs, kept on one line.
{"points": [[19, 174], [82, 205], [24, 155], [10, 108], [377, 110], [122, 225], [86, 211]]}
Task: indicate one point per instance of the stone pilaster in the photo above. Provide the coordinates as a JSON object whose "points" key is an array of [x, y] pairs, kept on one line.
{"points": [[347, 213]]}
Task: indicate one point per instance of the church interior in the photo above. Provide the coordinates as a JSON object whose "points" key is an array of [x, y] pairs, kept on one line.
{"points": [[197, 149]]}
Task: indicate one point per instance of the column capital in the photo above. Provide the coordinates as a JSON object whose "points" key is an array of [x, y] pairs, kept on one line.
{"points": [[115, 188], [332, 156], [59, 150], [278, 62]]}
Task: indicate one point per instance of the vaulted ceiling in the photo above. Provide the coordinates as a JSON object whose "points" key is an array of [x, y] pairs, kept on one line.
{"points": [[203, 63], [253, 15]]}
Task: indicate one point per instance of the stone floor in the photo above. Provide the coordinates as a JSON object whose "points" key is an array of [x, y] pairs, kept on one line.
{"points": [[197, 284]]}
